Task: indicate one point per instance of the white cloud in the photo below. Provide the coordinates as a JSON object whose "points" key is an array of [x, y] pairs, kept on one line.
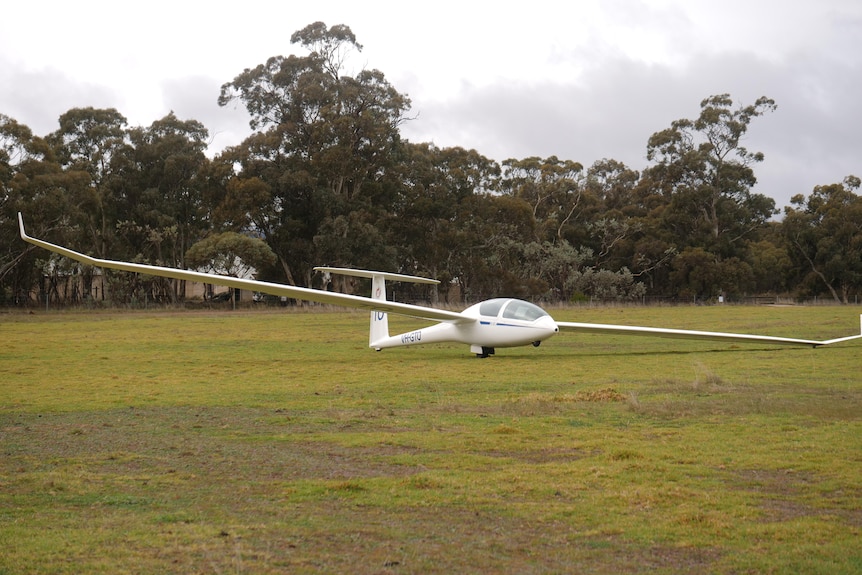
{"points": [[581, 80]]}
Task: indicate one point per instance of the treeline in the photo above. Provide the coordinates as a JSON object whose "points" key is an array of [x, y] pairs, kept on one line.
{"points": [[326, 179]]}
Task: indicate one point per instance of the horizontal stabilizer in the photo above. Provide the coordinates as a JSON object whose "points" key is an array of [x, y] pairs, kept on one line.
{"points": [[371, 274]]}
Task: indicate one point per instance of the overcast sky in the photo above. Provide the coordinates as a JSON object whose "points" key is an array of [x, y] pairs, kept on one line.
{"points": [[582, 80]]}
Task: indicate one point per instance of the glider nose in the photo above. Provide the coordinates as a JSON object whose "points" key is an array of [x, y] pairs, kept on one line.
{"points": [[548, 326]]}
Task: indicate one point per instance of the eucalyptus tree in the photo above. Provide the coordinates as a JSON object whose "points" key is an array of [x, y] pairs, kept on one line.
{"points": [[616, 222], [93, 144], [16, 152], [323, 139], [707, 176], [16, 147], [554, 190], [585, 222], [170, 167], [698, 274], [355, 239], [429, 220], [161, 207], [230, 253], [494, 231], [773, 268], [824, 234], [31, 181], [273, 196], [614, 184]]}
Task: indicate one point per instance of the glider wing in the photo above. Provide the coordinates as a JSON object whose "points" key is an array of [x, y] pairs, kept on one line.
{"points": [[693, 334], [307, 294]]}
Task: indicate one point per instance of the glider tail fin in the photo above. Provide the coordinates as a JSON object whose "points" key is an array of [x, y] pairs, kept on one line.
{"points": [[379, 320], [379, 330]]}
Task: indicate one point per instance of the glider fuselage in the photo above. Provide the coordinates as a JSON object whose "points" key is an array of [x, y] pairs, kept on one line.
{"points": [[501, 322]]}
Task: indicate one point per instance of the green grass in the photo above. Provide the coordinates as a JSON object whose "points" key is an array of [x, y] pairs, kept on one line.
{"points": [[250, 442]]}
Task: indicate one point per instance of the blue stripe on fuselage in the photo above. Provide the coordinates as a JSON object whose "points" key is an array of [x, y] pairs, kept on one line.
{"points": [[501, 324]]}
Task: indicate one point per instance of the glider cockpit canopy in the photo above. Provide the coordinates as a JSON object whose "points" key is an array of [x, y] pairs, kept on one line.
{"points": [[508, 308]]}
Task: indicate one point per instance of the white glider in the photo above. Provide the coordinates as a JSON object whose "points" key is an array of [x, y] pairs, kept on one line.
{"points": [[485, 326]]}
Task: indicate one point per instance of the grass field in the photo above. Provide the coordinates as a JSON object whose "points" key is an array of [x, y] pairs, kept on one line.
{"points": [[274, 442]]}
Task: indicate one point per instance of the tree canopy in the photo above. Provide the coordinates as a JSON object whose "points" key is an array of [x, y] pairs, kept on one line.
{"points": [[325, 178]]}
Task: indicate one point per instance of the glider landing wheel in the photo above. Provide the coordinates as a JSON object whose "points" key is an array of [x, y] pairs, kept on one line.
{"points": [[486, 351]]}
